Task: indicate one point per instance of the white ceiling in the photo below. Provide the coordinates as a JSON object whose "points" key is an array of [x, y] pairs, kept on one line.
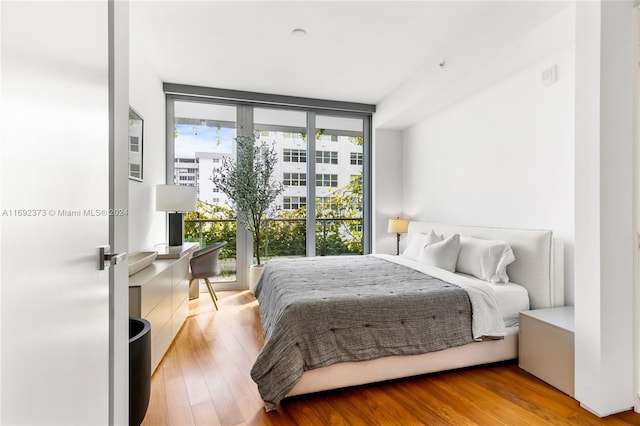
{"points": [[356, 51]]}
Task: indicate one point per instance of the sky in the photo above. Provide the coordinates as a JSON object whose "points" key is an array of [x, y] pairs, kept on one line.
{"points": [[191, 139]]}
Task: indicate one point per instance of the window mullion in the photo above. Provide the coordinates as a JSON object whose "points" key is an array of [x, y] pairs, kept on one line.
{"points": [[366, 184], [311, 184], [244, 246]]}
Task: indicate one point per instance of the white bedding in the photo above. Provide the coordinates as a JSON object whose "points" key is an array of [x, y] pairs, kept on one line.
{"points": [[495, 306], [512, 298]]}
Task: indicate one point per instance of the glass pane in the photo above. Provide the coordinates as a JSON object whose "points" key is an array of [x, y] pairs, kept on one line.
{"points": [[339, 185], [285, 230], [204, 133]]}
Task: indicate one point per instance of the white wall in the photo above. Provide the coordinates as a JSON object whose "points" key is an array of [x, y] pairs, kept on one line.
{"points": [[488, 145], [147, 227], [502, 157], [604, 206], [387, 189]]}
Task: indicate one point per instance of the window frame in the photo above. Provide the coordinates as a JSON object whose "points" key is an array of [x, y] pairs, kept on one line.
{"points": [[355, 159], [326, 157], [245, 102], [299, 154], [288, 200], [294, 179]]}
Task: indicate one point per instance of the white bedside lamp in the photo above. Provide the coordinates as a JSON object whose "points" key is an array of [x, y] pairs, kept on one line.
{"points": [[398, 226], [176, 199]]}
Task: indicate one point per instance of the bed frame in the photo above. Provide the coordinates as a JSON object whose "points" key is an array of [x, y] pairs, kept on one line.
{"points": [[539, 267]]}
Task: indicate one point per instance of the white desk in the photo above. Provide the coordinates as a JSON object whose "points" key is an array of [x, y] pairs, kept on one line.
{"points": [[160, 294], [175, 252]]}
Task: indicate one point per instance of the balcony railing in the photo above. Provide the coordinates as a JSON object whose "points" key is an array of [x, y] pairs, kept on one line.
{"points": [[282, 237]]}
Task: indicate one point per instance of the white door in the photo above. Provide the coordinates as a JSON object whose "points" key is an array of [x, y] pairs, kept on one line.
{"points": [[54, 201]]}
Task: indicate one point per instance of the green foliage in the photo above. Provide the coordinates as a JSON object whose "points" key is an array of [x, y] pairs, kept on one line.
{"points": [[200, 227], [345, 236], [248, 182], [356, 140], [287, 235], [338, 226]]}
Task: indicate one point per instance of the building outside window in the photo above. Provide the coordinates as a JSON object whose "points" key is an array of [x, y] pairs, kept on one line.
{"points": [[294, 155], [294, 179], [328, 138], [356, 158], [294, 203], [291, 135], [327, 203], [327, 157], [329, 180]]}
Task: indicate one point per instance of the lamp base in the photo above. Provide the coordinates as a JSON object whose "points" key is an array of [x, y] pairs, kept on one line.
{"points": [[176, 227]]}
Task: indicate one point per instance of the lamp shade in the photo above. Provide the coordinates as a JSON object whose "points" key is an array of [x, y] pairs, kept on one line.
{"points": [[398, 226], [176, 198]]}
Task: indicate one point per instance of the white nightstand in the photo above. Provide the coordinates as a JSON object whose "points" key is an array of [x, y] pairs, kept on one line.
{"points": [[546, 347]]}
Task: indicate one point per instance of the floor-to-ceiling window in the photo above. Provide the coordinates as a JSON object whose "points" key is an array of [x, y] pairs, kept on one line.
{"points": [[323, 153], [203, 133], [286, 229], [339, 190]]}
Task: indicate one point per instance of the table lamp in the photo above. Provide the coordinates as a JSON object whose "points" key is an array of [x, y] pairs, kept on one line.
{"points": [[398, 226], [176, 199]]}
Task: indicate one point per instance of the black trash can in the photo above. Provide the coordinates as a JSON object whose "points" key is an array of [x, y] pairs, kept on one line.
{"points": [[139, 369]]}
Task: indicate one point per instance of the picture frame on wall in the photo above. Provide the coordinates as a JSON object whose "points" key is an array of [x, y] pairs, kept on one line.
{"points": [[136, 142]]}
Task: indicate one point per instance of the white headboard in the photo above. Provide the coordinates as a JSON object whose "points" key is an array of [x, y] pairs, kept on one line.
{"points": [[539, 264]]}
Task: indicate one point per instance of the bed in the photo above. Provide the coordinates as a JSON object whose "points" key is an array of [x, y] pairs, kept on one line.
{"points": [[388, 320]]}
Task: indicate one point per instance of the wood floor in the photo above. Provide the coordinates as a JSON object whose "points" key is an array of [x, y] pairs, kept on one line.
{"points": [[204, 380]]}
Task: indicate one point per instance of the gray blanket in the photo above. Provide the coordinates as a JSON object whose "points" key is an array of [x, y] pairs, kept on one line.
{"points": [[319, 311]]}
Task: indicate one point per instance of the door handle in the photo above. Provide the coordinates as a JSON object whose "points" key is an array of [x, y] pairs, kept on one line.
{"points": [[113, 258]]}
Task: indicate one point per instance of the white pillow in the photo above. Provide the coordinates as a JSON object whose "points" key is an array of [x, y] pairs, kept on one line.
{"points": [[484, 259], [418, 242], [442, 254]]}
